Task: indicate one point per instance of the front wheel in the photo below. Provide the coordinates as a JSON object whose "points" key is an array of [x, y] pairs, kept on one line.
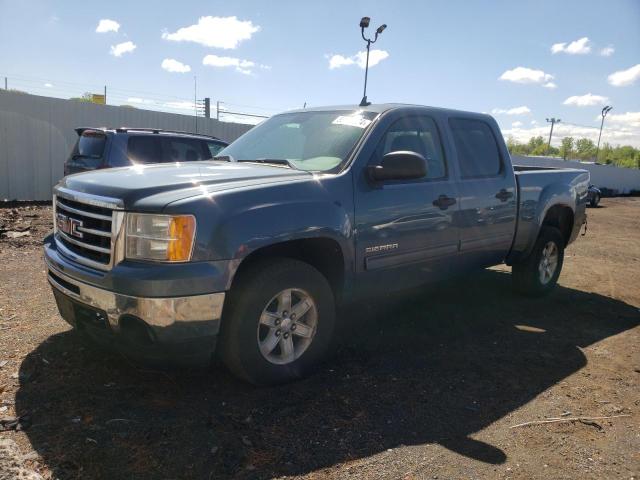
{"points": [[278, 323], [538, 274], [595, 201]]}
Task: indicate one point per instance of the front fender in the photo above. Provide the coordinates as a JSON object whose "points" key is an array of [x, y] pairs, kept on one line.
{"points": [[234, 223]]}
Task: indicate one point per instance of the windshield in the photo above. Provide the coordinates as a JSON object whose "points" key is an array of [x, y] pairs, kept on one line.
{"points": [[314, 141]]}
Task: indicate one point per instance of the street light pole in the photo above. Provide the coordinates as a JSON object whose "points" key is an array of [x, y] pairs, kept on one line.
{"points": [[605, 111], [552, 121], [364, 23]]}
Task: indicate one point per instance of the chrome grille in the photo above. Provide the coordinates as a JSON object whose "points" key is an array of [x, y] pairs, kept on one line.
{"points": [[86, 228]]}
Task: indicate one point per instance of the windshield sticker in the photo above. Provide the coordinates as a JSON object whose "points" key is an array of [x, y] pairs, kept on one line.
{"points": [[352, 121]]}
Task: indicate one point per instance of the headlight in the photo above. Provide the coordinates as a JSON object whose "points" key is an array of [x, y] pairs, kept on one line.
{"points": [[163, 238]]}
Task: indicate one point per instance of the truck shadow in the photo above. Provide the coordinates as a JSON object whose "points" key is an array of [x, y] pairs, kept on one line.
{"points": [[428, 366]]}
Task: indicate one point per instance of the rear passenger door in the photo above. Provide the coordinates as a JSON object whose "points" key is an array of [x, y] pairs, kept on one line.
{"points": [[487, 191]]}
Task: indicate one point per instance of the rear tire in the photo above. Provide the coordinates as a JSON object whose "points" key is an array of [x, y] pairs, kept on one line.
{"points": [[538, 274], [595, 201], [266, 339]]}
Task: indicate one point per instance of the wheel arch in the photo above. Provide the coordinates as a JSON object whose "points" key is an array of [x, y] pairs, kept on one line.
{"points": [[325, 254]]}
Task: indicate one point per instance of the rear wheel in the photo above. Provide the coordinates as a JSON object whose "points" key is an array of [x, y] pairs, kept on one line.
{"points": [[278, 323], [595, 200], [538, 273]]}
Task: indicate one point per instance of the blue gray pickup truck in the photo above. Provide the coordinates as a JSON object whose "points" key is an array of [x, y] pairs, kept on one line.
{"points": [[249, 255]]}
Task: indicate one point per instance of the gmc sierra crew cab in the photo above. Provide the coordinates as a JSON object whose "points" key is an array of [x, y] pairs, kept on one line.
{"points": [[250, 254]]}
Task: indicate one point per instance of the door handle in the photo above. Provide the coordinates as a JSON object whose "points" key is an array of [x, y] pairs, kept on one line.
{"points": [[443, 202], [503, 195]]}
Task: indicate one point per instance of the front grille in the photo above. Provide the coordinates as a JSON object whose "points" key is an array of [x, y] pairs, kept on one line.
{"points": [[84, 232]]}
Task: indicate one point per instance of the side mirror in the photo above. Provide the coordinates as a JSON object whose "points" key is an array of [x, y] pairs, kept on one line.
{"points": [[399, 165]]}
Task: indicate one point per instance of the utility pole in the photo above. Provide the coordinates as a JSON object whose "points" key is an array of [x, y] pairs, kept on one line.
{"points": [[5, 83], [604, 113], [218, 110], [207, 107], [195, 100], [105, 94], [552, 121]]}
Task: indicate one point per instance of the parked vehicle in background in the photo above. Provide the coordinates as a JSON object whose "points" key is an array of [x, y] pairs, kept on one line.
{"points": [[594, 196], [98, 148], [308, 210]]}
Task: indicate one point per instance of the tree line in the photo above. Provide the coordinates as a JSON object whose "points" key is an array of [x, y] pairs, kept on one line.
{"points": [[578, 149]]}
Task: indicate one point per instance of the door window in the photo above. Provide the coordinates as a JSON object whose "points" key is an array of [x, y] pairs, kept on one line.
{"points": [[183, 150], [214, 148], [144, 149], [478, 153], [416, 134]]}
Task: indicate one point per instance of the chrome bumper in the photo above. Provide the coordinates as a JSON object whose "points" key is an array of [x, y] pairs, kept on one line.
{"points": [[155, 312]]}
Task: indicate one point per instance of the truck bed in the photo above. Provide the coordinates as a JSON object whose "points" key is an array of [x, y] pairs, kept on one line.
{"points": [[539, 187]]}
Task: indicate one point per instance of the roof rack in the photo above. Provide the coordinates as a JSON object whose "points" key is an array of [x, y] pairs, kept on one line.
{"points": [[149, 130]]}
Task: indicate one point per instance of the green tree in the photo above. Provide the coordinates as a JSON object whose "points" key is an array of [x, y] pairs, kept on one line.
{"points": [[566, 147], [620, 156], [585, 148]]}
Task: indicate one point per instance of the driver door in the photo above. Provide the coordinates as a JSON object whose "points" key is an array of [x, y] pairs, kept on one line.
{"points": [[406, 235]]}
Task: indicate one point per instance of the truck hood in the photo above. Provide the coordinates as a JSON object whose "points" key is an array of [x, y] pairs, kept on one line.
{"points": [[152, 187]]}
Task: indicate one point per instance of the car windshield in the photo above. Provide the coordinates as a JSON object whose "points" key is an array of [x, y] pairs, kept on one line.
{"points": [[313, 141]]}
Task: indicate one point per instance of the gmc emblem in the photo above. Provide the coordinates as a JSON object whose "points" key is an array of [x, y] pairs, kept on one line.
{"points": [[69, 225]]}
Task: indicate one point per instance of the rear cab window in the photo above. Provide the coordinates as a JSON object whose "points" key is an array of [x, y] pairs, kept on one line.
{"points": [[89, 150], [477, 148]]}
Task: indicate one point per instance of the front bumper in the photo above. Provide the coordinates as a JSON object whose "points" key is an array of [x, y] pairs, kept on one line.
{"points": [[179, 329]]}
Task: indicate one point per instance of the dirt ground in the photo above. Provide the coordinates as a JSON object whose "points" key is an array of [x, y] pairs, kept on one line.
{"points": [[427, 384]]}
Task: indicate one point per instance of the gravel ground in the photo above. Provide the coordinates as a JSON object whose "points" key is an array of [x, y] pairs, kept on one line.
{"points": [[426, 384]]}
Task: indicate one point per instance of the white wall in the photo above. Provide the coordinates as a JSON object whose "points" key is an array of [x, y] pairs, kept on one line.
{"points": [[602, 176]]}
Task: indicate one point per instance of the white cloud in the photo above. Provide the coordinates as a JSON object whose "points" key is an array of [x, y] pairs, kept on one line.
{"points": [[622, 78], [628, 119], [607, 51], [122, 48], [577, 47], [171, 65], [516, 124], [550, 85], [48, 85], [587, 100], [526, 75], [534, 122], [180, 105], [218, 32], [243, 66], [105, 25], [359, 59], [511, 111]]}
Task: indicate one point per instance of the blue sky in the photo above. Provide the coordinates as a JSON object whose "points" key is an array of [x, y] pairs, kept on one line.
{"points": [[277, 55]]}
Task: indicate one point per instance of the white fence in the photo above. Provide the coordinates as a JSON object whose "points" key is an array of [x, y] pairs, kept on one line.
{"points": [[37, 134], [622, 180]]}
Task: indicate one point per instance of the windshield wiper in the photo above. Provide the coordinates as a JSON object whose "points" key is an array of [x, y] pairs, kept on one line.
{"points": [[80, 155], [223, 158], [272, 161]]}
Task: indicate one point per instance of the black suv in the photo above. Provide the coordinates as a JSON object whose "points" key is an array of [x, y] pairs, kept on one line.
{"points": [[120, 147]]}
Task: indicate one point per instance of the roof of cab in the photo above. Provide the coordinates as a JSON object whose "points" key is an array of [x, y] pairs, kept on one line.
{"points": [[384, 107]]}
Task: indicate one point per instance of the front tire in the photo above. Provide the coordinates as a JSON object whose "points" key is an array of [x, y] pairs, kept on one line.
{"points": [[278, 322], [595, 201], [538, 274]]}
